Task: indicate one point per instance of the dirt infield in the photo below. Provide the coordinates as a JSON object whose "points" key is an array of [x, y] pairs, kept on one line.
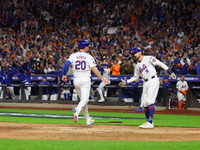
{"points": [[95, 132], [100, 132]]}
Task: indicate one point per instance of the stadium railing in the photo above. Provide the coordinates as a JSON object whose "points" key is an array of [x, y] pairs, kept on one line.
{"points": [[165, 94]]}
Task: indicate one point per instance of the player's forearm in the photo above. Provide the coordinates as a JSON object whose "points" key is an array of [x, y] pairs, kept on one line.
{"points": [[132, 79], [162, 65], [96, 72]]}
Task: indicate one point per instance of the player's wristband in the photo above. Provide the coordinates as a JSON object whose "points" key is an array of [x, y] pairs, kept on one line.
{"points": [[169, 71]]}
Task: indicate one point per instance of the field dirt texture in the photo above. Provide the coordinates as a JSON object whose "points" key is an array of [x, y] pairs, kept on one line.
{"points": [[101, 132]]}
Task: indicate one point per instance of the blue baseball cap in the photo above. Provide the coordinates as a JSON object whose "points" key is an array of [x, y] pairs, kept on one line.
{"points": [[135, 50], [44, 77], [83, 44], [104, 64]]}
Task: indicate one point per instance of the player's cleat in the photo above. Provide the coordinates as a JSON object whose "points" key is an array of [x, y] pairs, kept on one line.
{"points": [[139, 109], [75, 114], [101, 100], [147, 125], [144, 124], [91, 100], [74, 109], [90, 122], [75, 118]]}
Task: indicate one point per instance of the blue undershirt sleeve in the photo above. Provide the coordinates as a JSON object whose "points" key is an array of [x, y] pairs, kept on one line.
{"points": [[66, 67]]}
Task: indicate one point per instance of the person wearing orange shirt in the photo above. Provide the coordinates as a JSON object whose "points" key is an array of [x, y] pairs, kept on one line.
{"points": [[115, 68]]}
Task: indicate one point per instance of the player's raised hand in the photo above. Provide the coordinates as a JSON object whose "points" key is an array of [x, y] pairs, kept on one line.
{"points": [[64, 78]]}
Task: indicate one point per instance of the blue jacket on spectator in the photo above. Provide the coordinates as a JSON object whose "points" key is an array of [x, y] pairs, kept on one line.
{"points": [[45, 90], [197, 67], [10, 74]]}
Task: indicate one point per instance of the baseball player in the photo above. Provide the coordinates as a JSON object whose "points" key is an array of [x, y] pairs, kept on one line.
{"points": [[27, 72], [105, 71], [82, 63], [66, 94], [9, 73], [45, 90], [146, 69], [53, 90], [182, 87], [23, 80], [1, 88]]}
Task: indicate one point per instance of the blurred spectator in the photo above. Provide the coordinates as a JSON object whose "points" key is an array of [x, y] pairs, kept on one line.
{"points": [[41, 69], [130, 68], [35, 69], [123, 66], [115, 69], [197, 67], [185, 62], [48, 31], [178, 69]]}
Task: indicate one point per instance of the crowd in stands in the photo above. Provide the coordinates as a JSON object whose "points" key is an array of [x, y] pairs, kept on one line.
{"points": [[41, 34]]}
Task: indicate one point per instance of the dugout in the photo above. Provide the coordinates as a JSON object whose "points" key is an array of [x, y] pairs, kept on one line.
{"points": [[162, 98]]}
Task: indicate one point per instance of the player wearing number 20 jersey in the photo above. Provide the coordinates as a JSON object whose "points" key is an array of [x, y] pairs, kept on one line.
{"points": [[82, 63]]}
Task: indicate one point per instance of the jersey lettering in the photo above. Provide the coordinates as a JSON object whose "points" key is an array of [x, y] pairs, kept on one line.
{"points": [[183, 86], [141, 69], [80, 65]]}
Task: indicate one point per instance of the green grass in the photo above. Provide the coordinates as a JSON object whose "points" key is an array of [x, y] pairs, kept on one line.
{"points": [[137, 119], [190, 121], [6, 144]]}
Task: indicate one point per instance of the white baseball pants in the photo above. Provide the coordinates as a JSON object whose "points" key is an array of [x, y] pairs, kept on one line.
{"points": [[83, 86], [150, 91]]}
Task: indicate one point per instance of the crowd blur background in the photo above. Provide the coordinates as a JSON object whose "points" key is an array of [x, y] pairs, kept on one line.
{"points": [[41, 34]]}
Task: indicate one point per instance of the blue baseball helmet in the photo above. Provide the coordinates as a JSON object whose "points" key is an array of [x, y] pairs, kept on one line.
{"points": [[135, 50], [104, 64], [83, 44]]}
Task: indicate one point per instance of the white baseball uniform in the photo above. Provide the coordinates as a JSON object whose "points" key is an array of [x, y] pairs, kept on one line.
{"points": [[106, 75], [82, 63], [181, 85], [146, 69]]}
